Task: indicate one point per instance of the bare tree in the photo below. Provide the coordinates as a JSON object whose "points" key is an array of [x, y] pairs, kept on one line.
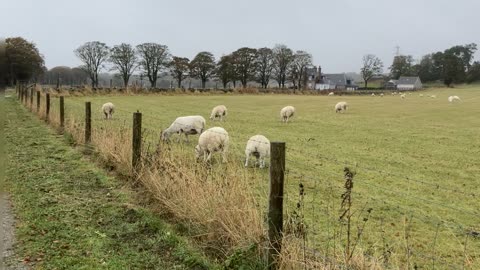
{"points": [[372, 66], [203, 66], [179, 69], [264, 66], [244, 60], [153, 58], [93, 54], [124, 59], [282, 57], [298, 68]]}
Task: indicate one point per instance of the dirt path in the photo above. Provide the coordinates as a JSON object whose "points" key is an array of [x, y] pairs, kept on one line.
{"points": [[8, 261]]}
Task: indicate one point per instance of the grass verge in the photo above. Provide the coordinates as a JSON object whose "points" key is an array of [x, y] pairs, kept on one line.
{"points": [[71, 215]]}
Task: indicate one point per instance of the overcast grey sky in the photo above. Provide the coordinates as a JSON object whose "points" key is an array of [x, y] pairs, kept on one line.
{"points": [[337, 33]]}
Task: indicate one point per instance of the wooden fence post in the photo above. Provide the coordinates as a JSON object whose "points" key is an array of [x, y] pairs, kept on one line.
{"points": [[136, 142], [38, 101], [88, 122], [275, 202], [21, 93], [62, 113], [31, 98], [47, 107]]}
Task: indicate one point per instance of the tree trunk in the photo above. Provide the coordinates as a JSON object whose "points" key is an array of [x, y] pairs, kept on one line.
{"points": [[366, 84], [203, 83]]}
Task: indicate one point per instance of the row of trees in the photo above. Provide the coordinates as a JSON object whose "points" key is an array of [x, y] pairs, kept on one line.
{"points": [[454, 65], [281, 64]]}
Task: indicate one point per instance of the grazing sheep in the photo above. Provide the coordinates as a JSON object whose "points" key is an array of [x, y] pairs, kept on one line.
{"points": [[214, 139], [433, 96], [341, 106], [188, 125], [373, 94], [259, 147], [331, 94], [381, 94], [219, 111], [453, 98], [286, 113], [403, 96], [421, 95], [108, 109]]}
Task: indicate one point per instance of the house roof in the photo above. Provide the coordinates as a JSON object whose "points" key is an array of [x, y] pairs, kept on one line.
{"points": [[337, 79], [407, 80]]}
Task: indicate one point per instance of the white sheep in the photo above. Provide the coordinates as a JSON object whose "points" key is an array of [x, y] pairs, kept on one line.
{"points": [[188, 125], [212, 140], [259, 147], [219, 111], [331, 94], [421, 95], [286, 113], [403, 96], [108, 109], [381, 94], [373, 94], [433, 96], [453, 98], [341, 106]]}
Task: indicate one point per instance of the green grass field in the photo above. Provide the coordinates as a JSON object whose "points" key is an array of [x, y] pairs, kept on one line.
{"points": [[417, 163]]}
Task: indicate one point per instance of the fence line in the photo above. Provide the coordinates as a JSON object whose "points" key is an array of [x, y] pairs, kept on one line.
{"points": [[301, 177]]}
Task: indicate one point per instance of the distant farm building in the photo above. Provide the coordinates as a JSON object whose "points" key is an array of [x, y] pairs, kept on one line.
{"points": [[409, 83], [391, 85], [319, 81]]}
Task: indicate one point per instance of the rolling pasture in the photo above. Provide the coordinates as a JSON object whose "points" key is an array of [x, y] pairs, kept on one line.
{"points": [[416, 193]]}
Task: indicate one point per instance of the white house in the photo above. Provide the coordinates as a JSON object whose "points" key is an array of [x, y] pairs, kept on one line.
{"points": [[409, 83]]}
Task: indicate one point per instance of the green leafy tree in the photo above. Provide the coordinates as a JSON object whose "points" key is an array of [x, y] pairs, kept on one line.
{"points": [[474, 73], [402, 66], [203, 67]]}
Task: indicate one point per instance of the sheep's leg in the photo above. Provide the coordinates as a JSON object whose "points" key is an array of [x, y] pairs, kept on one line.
{"points": [[262, 162], [209, 156], [224, 156], [246, 159], [186, 137], [106, 115]]}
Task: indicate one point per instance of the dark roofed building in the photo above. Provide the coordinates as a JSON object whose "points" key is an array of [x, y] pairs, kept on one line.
{"points": [[409, 83]]}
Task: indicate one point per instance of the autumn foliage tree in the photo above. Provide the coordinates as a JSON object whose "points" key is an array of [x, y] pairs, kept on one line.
{"points": [[179, 69], [23, 60]]}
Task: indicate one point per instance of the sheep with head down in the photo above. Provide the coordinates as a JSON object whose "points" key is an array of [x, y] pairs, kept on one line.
{"points": [[219, 111], [259, 147], [212, 140], [108, 109], [452, 99], [341, 106], [286, 113], [188, 125]]}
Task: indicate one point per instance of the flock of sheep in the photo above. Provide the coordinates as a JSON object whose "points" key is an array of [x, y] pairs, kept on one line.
{"points": [[216, 139]]}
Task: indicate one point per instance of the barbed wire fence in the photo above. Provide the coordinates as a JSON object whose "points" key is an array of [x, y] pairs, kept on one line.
{"points": [[392, 225]]}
